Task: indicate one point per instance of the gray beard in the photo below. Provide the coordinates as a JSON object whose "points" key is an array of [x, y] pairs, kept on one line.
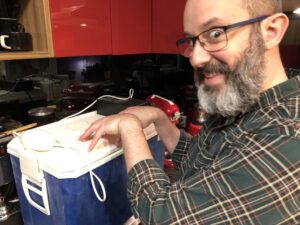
{"points": [[243, 85]]}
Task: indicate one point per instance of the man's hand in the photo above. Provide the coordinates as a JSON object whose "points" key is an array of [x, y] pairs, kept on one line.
{"points": [[128, 125], [111, 126], [129, 129]]}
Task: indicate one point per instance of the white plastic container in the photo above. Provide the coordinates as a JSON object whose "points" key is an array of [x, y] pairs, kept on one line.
{"points": [[64, 184]]}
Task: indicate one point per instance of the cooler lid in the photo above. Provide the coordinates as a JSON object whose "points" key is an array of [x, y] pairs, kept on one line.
{"points": [[68, 157]]}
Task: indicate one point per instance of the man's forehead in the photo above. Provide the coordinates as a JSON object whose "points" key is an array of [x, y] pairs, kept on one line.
{"points": [[201, 14], [216, 4], [204, 25]]}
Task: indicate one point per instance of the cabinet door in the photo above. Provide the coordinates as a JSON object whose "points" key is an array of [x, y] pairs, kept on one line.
{"points": [[131, 26], [167, 25], [81, 27]]}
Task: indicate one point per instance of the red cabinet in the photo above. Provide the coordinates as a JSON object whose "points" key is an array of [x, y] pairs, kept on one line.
{"points": [[104, 27], [131, 26], [167, 25], [81, 27]]}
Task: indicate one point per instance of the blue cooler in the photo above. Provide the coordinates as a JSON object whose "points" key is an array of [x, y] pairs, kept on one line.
{"points": [[65, 184]]}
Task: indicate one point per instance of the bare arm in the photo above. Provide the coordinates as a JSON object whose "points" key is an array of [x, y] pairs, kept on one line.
{"points": [[128, 126], [167, 131]]}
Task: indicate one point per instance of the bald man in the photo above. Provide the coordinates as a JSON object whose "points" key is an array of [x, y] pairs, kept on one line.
{"points": [[243, 167]]}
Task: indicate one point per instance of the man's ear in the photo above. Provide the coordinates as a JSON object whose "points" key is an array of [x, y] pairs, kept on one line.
{"points": [[273, 29]]}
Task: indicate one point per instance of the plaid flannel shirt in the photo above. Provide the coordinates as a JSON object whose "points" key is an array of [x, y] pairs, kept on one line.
{"points": [[242, 170]]}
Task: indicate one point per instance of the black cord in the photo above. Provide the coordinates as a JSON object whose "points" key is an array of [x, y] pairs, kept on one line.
{"points": [[29, 95], [12, 89]]}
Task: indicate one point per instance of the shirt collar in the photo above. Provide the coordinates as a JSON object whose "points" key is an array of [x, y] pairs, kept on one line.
{"points": [[279, 92]]}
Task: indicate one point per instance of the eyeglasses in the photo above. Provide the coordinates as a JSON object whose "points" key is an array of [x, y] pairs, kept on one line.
{"points": [[211, 40]]}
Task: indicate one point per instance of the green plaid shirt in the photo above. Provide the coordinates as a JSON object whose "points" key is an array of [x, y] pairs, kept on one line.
{"points": [[242, 170]]}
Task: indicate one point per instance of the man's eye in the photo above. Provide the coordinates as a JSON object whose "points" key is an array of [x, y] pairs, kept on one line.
{"points": [[191, 41], [215, 34]]}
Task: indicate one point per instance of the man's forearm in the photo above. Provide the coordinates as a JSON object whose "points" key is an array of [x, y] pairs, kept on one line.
{"points": [[167, 131], [134, 143], [147, 115]]}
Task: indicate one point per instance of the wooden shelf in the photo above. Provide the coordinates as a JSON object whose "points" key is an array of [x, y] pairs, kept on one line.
{"points": [[24, 55], [35, 16]]}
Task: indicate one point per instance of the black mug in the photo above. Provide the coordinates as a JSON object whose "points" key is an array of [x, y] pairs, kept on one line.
{"points": [[11, 25], [15, 41]]}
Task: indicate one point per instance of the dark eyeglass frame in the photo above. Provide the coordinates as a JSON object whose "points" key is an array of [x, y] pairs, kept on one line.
{"points": [[225, 29]]}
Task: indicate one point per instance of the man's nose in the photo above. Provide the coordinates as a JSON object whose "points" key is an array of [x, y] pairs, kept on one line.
{"points": [[199, 56]]}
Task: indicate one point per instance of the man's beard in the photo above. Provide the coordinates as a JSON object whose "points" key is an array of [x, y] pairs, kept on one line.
{"points": [[243, 83]]}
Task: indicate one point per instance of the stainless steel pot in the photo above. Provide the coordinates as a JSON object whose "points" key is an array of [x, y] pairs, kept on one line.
{"points": [[41, 115]]}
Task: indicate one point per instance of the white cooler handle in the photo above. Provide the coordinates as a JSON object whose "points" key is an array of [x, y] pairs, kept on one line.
{"points": [[43, 193], [103, 198]]}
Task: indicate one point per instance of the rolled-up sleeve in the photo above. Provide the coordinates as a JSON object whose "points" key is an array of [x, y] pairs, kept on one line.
{"points": [[149, 187], [181, 148], [146, 181]]}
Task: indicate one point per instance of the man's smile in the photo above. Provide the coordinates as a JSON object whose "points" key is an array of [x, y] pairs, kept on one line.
{"points": [[214, 79]]}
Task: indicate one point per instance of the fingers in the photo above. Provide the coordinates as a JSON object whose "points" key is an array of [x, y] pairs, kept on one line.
{"points": [[89, 132], [94, 141], [86, 135], [96, 131], [109, 125]]}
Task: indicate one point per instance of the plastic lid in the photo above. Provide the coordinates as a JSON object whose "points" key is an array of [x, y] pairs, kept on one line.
{"points": [[69, 157]]}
